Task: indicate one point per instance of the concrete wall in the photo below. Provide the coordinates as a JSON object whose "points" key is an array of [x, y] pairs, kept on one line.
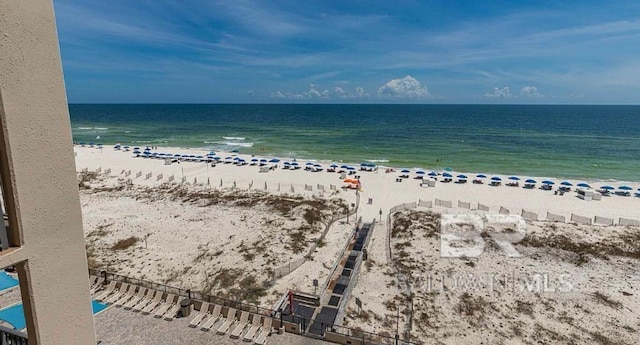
{"points": [[38, 175]]}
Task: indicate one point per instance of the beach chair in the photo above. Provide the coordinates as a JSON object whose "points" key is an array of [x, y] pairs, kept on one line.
{"points": [[92, 281], [164, 307], [243, 322], [97, 286], [229, 320], [157, 299], [173, 311], [253, 329], [144, 301], [204, 312], [265, 331], [107, 291], [215, 315], [117, 294], [135, 299], [127, 295]]}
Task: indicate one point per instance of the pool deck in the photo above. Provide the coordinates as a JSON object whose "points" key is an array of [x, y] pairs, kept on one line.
{"points": [[118, 326]]}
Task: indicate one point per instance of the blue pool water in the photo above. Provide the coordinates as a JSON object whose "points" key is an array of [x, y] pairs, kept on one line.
{"points": [[7, 281], [15, 315], [97, 306]]}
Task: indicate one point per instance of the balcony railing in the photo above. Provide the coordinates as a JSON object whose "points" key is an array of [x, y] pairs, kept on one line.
{"points": [[10, 336]]}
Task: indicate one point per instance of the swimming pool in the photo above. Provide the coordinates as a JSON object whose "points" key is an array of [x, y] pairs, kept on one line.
{"points": [[14, 315], [7, 281]]}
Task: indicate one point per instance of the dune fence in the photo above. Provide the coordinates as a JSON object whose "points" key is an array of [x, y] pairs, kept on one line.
{"points": [[552, 217], [529, 215], [628, 222], [580, 219], [602, 220]]}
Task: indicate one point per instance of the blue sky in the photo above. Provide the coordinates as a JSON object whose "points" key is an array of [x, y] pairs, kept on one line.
{"points": [[577, 52]]}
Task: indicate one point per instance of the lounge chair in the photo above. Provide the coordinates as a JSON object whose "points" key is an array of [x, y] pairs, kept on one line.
{"points": [[127, 295], [253, 329], [229, 320], [124, 287], [135, 299], [157, 299], [92, 280], [243, 322], [173, 311], [204, 311], [265, 331], [95, 287], [215, 315], [107, 291], [164, 307], [144, 301]]}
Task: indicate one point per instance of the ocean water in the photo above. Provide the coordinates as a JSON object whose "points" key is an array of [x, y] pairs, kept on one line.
{"points": [[564, 141]]}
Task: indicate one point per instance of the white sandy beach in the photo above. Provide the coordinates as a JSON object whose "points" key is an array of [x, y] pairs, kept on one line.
{"points": [[185, 241]]}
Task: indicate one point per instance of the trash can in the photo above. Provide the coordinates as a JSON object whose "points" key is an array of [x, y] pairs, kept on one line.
{"points": [[185, 307]]}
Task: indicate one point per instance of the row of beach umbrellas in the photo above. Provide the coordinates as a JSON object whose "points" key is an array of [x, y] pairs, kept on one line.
{"points": [[529, 181]]}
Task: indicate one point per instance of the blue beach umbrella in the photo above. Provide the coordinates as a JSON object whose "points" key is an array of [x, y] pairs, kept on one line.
{"points": [[607, 188], [530, 181], [136, 148], [199, 157], [514, 178], [317, 165], [295, 164], [447, 175], [432, 173], [274, 160], [464, 177], [351, 168], [286, 163], [333, 165], [548, 182], [406, 171], [583, 185], [566, 183], [309, 163], [263, 160], [254, 159], [625, 188], [481, 176], [496, 178], [211, 153], [420, 172], [125, 146], [235, 151], [216, 158]]}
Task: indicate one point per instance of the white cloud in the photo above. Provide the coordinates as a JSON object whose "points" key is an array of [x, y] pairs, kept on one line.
{"points": [[316, 94], [278, 94], [530, 92], [403, 88], [505, 92]]}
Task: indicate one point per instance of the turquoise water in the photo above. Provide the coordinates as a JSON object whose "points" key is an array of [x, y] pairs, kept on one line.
{"points": [[97, 306], [15, 314], [580, 142], [7, 281]]}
